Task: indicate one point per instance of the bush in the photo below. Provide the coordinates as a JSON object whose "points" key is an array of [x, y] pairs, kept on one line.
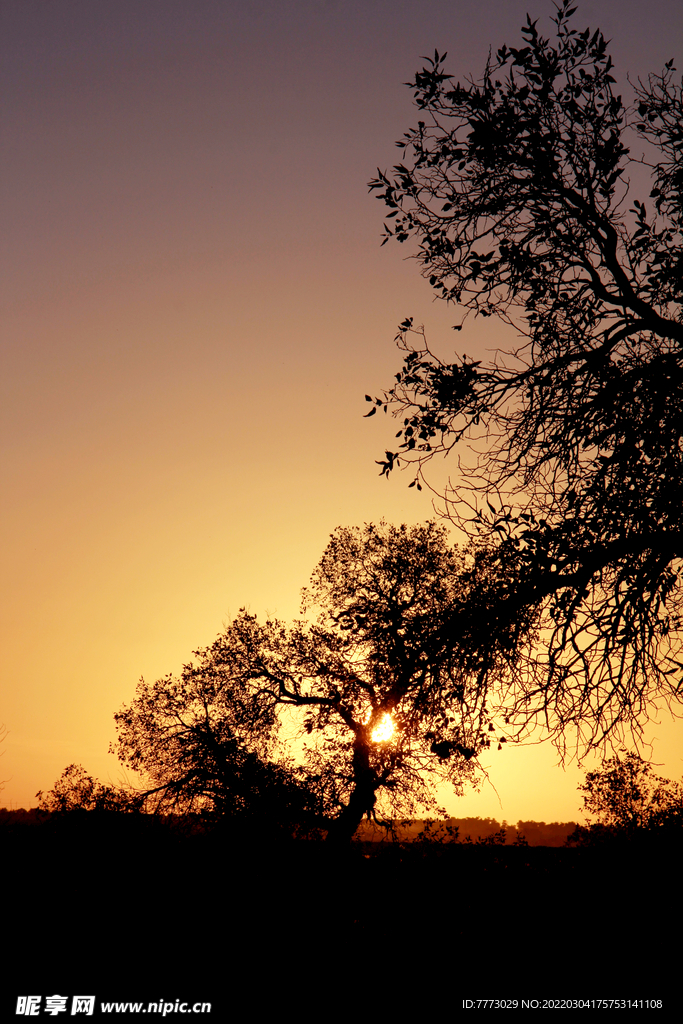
{"points": [[628, 801]]}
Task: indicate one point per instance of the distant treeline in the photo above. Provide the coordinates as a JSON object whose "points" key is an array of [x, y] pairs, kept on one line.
{"points": [[471, 830], [486, 831]]}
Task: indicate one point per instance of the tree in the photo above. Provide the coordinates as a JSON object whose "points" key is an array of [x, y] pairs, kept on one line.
{"points": [[516, 189], [382, 713], [627, 798], [74, 790], [206, 743]]}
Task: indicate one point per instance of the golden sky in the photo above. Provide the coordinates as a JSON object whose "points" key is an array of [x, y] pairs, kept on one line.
{"points": [[194, 303]]}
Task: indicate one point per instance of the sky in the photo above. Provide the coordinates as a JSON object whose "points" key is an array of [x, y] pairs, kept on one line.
{"points": [[194, 303]]}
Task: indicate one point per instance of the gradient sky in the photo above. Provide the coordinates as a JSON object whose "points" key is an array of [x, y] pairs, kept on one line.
{"points": [[194, 302]]}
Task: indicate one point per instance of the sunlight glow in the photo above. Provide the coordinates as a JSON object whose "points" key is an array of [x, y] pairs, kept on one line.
{"points": [[384, 730]]}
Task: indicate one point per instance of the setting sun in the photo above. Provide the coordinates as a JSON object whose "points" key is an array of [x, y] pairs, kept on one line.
{"points": [[384, 730]]}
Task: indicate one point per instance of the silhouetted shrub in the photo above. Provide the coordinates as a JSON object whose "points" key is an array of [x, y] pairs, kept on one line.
{"points": [[630, 803]]}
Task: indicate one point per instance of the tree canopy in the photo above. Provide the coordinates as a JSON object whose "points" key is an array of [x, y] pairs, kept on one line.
{"points": [[206, 743], [626, 799], [77, 791], [569, 445], [362, 693]]}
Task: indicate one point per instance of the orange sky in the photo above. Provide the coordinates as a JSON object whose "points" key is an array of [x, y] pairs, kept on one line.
{"points": [[194, 302]]}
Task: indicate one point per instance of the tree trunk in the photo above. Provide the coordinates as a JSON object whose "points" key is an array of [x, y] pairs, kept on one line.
{"points": [[363, 796], [343, 828]]}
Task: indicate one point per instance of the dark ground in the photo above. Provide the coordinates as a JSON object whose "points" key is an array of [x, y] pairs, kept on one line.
{"points": [[125, 909]]}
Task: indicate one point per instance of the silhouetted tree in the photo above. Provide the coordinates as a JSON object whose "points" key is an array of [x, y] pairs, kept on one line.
{"points": [[75, 790], [207, 744], [626, 798], [381, 711], [516, 190]]}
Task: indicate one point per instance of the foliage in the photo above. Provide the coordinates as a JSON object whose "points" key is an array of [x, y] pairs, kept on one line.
{"points": [[438, 832], [517, 191], [75, 790], [207, 742], [626, 798], [379, 710]]}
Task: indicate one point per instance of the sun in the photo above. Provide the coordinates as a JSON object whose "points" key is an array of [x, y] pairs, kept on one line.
{"points": [[384, 730]]}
